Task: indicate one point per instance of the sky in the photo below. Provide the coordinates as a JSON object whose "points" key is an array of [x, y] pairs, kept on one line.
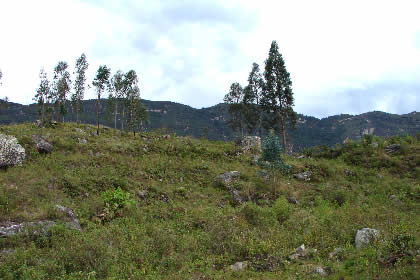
{"points": [[343, 56]]}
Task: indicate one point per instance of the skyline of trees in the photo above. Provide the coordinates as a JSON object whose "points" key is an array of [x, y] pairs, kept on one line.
{"points": [[267, 101]]}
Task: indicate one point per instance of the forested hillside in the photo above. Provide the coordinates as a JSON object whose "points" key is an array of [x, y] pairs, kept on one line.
{"points": [[211, 122]]}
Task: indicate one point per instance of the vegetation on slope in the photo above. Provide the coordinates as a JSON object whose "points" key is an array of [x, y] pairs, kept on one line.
{"points": [[183, 225]]}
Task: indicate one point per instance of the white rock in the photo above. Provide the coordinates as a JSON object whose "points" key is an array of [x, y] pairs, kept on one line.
{"points": [[364, 236], [239, 266], [11, 153]]}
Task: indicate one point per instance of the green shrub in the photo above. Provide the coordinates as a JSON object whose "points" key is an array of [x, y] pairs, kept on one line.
{"points": [[272, 150], [115, 200], [282, 209]]}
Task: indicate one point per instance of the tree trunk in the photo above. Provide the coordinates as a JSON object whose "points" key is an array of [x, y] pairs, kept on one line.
{"points": [[122, 119], [77, 112], [43, 114], [283, 128], [97, 113], [259, 125], [115, 115]]}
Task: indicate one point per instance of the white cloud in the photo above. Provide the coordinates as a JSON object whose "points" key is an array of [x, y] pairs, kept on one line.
{"points": [[191, 51]]}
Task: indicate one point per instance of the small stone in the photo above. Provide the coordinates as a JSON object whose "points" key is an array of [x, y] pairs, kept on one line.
{"points": [[292, 200], [142, 194], [320, 271], [365, 236], [305, 176], [78, 130], [82, 141], [336, 254], [239, 266], [392, 149]]}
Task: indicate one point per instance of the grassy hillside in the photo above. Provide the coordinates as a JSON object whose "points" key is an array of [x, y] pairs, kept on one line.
{"points": [[171, 117], [184, 225]]}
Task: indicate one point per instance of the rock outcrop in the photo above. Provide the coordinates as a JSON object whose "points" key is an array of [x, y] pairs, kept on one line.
{"points": [[42, 145], [365, 236], [11, 153], [249, 143]]}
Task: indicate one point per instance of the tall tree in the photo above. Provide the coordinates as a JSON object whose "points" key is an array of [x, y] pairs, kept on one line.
{"points": [[132, 91], [100, 82], [116, 93], [62, 84], [253, 94], [278, 98], [235, 99], [1, 76], [79, 84], [42, 96]]}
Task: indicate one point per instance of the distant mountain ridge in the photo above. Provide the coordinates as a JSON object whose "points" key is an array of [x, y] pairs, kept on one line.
{"points": [[210, 122]]}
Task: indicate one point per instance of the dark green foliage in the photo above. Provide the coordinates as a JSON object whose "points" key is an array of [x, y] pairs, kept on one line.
{"points": [[43, 98], [101, 80], [61, 87], [79, 84], [236, 109], [272, 150], [253, 94], [277, 99]]}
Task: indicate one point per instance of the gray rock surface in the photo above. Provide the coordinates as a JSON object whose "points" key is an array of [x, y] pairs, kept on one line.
{"points": [[301, 253], [39, 228], [82, 141], [320, 271], [41, 144], [78, 130], [11, 153], [239, 266], [305, 176], [393, 148], [292, 200], [249, 143], [72, 221], [365, 236], [142, 194], [228, 177]]}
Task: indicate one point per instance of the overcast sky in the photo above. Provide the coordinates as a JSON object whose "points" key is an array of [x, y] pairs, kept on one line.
{"points": [[343, 56]]}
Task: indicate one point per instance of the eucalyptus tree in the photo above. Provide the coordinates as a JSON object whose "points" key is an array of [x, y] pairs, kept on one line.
{"points": [[100, 82], [132, 96], [1, 76], [61, 88], [253, 94], [235, 99], [79, 84], [43, 97], [278, 100], [116, 94]]}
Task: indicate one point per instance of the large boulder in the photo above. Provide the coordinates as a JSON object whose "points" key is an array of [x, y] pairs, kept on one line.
{"points": [[251, 143], [11, 153], [41, 144], [365, 236]]}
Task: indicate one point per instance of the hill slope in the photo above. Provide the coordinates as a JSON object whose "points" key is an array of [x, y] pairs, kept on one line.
{"points": [[150, 208], [210, 122]]}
